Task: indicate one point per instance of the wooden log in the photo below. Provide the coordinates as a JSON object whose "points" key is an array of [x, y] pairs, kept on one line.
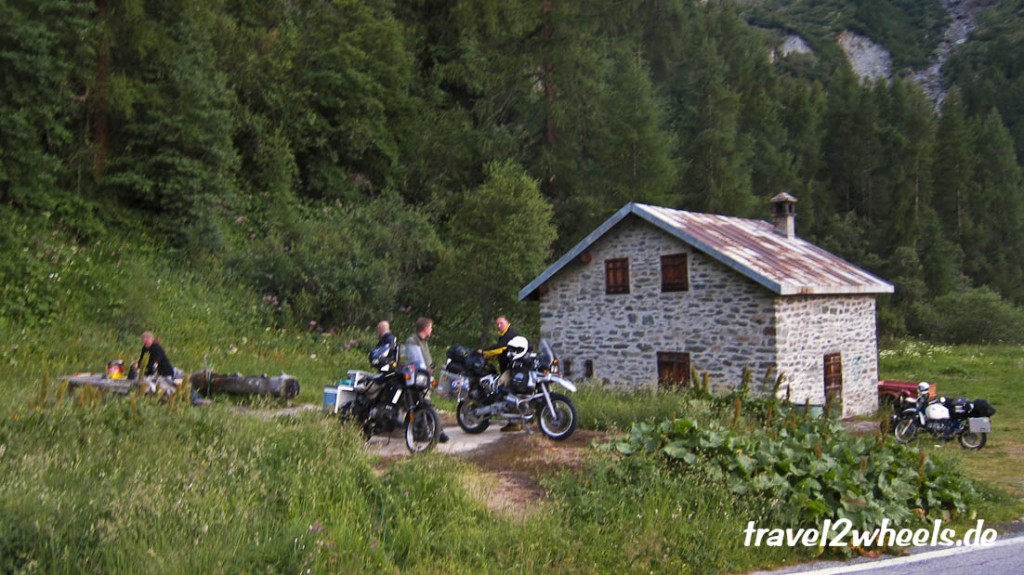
{"points": [[208, 383]]}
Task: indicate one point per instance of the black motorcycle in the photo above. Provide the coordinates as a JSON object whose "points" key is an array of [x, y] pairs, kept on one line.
{"points": [[396, 397], [528, 396], [945, 419]]}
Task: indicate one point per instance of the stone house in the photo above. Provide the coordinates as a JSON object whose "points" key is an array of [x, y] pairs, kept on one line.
{"points": [[654, 294]]}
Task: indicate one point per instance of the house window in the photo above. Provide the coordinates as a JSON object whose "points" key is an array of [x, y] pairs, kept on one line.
{"points": [[673, 370], [566, 365], [674, 273], [588, 368], [833, 377], [616, 276]]}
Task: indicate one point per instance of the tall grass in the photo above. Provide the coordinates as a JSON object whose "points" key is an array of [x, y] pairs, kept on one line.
{"points": [[610, 410], [136, 485]]}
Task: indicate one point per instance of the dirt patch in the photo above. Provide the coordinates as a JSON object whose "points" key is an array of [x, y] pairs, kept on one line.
{"points": [[512, 468]]}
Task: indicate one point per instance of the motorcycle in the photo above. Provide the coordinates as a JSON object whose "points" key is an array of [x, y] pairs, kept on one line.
{"points": [[969, 422], [392, 398], [482, 399]]}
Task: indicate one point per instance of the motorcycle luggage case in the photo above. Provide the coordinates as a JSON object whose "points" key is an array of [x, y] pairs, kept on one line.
{"points": [[980, 424]]}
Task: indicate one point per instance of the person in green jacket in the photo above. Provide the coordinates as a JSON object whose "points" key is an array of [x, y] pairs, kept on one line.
{"points": [[424, 329]]}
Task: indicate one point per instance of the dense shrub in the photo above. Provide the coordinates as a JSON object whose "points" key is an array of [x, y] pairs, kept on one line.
{"points": [[974, 316], [339, 265]]}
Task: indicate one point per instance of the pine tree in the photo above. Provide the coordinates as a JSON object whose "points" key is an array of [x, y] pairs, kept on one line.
{"points": [[954, 166], [851, 146], [803, 113], [171, 151], [995, 248], [718, 155], [906, 160], [498, 240], [44, 83]]}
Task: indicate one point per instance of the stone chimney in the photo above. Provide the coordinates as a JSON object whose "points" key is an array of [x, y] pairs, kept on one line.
{"points": [[784, 215]]}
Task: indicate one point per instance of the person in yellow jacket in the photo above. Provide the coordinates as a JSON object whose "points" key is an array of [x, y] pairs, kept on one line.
{"points": [[505, 335]]}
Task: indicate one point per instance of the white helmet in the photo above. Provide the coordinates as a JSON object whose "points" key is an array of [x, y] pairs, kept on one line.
{"points": [[516, 348], [922, 388]]}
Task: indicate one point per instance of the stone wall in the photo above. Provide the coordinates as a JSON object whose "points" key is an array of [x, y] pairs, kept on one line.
{"points": [[725, 321], [809, 327]]}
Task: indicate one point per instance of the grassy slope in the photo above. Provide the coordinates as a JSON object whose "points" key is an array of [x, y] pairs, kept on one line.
{"points": [[990, 372], [134, 485], [131, 485]]}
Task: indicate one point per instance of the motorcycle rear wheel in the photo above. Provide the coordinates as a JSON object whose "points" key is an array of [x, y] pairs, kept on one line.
{"points": [[971, 440], [905, 430], [560, 424], [469, 421], [422, 428]]}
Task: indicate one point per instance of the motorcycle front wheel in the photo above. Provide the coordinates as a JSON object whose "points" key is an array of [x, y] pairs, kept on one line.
{"points": [[560, 424], [905, 430], [971, 440], [469, 421], [422, 428]]}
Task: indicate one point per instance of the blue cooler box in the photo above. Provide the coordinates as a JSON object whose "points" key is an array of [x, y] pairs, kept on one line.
{"points": [[336, 396], [330, 399]]}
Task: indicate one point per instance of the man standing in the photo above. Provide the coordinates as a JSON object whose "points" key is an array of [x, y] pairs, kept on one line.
{"points": [[385, 355], [505, 335], [424, 329]]}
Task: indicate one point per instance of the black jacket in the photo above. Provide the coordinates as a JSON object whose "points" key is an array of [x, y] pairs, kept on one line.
{"points": [[391, 341], [499, 348], [157, 363]]}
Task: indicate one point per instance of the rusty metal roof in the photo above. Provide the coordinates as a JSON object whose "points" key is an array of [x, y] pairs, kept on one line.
{"points": [[786, 266]]}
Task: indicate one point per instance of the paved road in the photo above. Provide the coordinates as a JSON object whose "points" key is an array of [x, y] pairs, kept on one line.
{"points": [[1004, 557]]}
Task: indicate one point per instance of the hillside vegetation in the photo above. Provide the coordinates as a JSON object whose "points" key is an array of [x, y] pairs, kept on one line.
{"points": [[321, 164]]}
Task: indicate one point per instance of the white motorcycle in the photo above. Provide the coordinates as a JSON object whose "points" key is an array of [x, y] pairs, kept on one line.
{"points": [[967, 421], [528, 396]]}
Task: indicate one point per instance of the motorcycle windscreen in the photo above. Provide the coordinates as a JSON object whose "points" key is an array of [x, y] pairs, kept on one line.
{"points": [[547, 356], [414, 356]]}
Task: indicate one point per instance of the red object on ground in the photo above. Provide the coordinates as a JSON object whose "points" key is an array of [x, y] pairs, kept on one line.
{"points": [[890, 390]]}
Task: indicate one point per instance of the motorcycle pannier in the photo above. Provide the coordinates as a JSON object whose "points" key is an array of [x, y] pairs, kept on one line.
{"points": [[458, 353], [982, 408]]}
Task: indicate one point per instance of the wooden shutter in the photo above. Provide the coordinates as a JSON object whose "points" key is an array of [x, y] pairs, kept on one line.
{"points": [[616, 276], [674, 273]]}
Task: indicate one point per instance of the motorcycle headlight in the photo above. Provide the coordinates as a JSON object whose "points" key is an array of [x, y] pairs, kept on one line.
{"points": [[421, 380]]}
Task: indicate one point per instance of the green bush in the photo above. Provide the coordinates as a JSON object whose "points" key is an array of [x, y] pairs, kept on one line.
{"points": [[974, 316], [341, 265]]}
